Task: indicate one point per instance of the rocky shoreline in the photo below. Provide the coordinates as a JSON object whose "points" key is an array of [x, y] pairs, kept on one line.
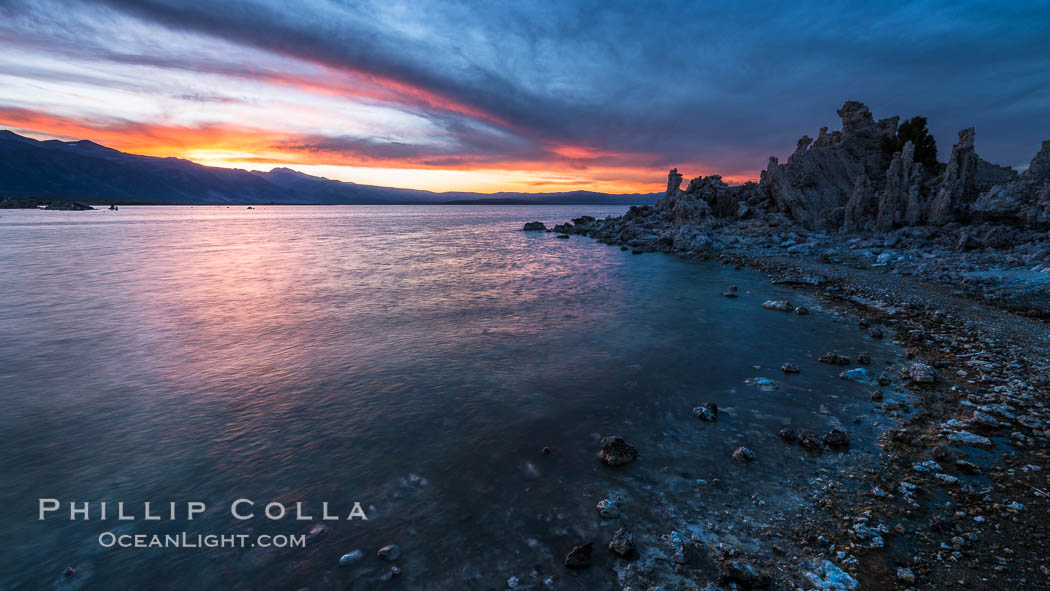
{"points": [[954, 265]]}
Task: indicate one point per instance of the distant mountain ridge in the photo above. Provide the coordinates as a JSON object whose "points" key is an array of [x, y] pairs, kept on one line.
{"points": [[89, 171]]}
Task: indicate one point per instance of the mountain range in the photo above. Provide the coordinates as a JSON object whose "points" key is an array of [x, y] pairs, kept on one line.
{"points": [[84, 170]]}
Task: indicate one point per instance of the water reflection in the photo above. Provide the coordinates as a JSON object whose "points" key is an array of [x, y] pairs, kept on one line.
{"points": [[326, 354]]}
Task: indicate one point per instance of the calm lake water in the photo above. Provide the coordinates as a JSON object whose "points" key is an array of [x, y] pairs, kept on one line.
{"points": [[416, 359]]}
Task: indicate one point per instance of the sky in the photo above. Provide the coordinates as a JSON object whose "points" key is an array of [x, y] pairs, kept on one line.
{"points": [[604, 95]]}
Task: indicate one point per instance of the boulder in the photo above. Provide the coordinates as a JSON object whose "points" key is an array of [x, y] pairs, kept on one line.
{"points": [[579, 556], [707, 411], [836, 439], [919, 373], [615, 451], [389, 552], [535, 227], [779, 305], [834, 359], [743, 454], [622, 543]]}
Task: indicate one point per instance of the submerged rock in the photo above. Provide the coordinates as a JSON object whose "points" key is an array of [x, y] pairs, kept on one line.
{"points": [[389, 552], [788, 435], [622, 543], [743, 454], [834, 359], [858, 374], [608, 508], [316, 533], [779, 305], [836, 439], [764, 384], [535, 227], [616, 452], [808, 440], [707, 411], [579, 556], [351, 558]]}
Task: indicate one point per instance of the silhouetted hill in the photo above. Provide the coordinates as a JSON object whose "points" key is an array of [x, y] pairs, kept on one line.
{"points": [[88, 171]]}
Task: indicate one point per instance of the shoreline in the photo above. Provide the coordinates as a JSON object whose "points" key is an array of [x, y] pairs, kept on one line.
{"points": [[960, 520]]}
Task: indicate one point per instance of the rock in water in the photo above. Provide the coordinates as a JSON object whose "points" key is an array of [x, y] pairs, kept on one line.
{"points": [[707, 411], [535, 227], [743, 454], [789, 368], [864, 358], [801, 310], [808, 440], [608, 509], [788, 435], [580, 556], [857, 375], [616, 452], [351, 558], [836, 439], [317, 532], [834, 359], [622, 543], [391, 552], [779, 305]]}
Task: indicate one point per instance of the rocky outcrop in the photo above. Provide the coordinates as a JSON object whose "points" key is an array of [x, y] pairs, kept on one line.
{"points": [[820, 179], [1024, 200], [901, 199], [843, 181], [959, 187]]}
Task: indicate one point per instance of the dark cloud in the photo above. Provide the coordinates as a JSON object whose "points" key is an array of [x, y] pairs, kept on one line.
{"points": [[723, 84]]}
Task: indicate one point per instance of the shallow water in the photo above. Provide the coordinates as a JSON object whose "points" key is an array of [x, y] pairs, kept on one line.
{"points": [[330, 353]]}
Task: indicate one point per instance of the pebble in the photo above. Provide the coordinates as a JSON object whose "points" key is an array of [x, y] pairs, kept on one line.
{"points": [[390, 552], [351, 558]]}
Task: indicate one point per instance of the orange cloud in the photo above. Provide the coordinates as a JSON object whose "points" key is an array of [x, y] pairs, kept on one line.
{"points": [[560, 168]]}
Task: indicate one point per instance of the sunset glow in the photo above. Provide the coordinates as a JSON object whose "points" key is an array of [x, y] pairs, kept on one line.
{"points": [[383, 93]]}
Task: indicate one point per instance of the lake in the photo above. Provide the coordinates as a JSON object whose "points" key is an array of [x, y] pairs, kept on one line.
{"points": [[414, 359]]}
